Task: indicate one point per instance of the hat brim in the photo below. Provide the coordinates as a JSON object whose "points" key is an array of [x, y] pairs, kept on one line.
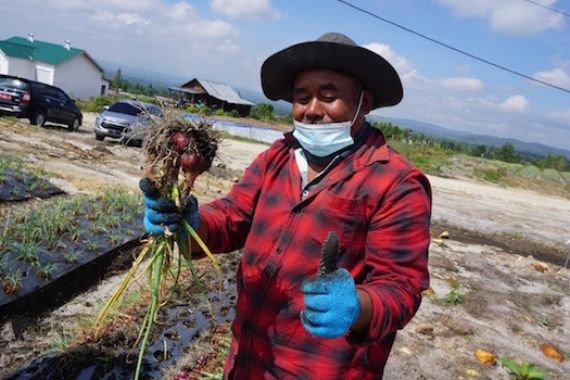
{"points": [[374, 72]]}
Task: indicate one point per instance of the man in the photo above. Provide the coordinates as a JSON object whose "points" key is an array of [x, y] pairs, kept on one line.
{"points": [[333, 173]]}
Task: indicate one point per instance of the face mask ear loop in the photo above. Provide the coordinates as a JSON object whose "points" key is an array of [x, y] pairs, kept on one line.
{"points": [[357, 108]]}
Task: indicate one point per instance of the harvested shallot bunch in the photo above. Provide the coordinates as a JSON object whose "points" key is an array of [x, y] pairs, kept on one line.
{"points": [[177, 152]]}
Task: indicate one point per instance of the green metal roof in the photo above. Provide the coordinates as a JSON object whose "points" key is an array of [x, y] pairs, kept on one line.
{"points": [[37, 50]]}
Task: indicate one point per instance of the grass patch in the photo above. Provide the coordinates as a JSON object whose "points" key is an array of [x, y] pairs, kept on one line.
{"points": [[96, 104], [492, 175], [454, 297], [514, 236], [19, 167], [428, 158]]}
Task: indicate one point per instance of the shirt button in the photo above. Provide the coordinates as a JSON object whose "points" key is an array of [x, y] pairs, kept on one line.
{"points": [[278, 250]]}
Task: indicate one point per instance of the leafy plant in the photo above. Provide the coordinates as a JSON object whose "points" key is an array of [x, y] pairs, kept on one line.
{"points": [[12, 281], [71, 256], [454, 297], [523, 371], [112, 221], [4, 236], [74, 233], [115, 239], [25, 251], [45, 270], [92, 245], [60, 342]]}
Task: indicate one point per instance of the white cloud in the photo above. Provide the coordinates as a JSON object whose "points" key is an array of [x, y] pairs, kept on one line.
{"points": [[121, 5], [249, 9], [180, 12], [509, 16], [172, 39], [204, 31], [461, 83], [159, 19], [407, 72], [556, 76], [400, 63], [116, 20], [515, 103]]}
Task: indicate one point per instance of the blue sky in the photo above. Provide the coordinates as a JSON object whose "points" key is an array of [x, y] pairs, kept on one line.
{"points": [[227, 40]]}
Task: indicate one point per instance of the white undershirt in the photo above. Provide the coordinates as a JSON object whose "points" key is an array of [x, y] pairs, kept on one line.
{"points": [[303, 166]]}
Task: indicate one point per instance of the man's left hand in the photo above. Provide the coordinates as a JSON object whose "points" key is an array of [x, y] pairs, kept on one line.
{"points": [[331, 304]]}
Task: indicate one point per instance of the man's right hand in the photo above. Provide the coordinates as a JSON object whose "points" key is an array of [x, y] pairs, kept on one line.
{"points": [[160, 212]]}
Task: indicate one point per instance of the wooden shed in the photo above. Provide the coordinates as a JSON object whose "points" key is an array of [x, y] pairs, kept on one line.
{"points": [[214, 95]]}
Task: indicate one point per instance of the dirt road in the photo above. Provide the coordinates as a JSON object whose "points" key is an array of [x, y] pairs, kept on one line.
{"points": [[504, 303]]}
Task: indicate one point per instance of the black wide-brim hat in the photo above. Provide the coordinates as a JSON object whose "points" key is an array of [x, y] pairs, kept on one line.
{"points": [[331, 51]]}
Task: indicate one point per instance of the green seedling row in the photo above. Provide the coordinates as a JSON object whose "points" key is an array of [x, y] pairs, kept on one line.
{"points": [[48, 239], [19, 181]]}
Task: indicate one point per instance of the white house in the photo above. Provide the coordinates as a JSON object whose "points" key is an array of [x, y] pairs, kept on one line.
{"points": [[71, 69]]}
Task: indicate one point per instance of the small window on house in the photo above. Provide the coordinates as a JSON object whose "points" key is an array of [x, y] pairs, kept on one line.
{"points": [[103, 90]]}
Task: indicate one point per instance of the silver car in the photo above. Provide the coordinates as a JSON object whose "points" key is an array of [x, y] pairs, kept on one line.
{"points": [[126, 120]]}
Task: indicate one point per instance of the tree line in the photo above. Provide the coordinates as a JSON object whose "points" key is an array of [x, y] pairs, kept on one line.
{"points": [[118, 82], [505, 153], [265, 112]]}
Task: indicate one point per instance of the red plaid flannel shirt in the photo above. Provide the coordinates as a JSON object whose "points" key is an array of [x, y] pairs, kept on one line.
{"points": [[379, 206]]}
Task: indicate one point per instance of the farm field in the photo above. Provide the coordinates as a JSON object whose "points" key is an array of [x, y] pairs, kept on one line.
{"points": [[496, 260]]}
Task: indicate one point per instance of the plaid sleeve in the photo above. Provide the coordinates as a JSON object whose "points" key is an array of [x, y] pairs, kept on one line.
{"points": [[228, 219], [397, 255]]}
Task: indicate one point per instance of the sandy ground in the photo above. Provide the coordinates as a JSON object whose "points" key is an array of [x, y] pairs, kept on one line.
{"points": [[510, 308]]}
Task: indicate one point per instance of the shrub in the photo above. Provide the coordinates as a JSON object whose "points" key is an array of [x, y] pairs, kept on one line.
{"points": [[199, 109], [262, 111], [551, 175], [530, 171], [95, 105]]}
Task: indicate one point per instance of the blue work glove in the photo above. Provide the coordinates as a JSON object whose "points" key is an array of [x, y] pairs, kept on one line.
{"points": [[331, 304], [160, 212]]}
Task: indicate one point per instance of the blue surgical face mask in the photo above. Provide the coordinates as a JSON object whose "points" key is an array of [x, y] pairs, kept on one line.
{"points": [[322, 140]]}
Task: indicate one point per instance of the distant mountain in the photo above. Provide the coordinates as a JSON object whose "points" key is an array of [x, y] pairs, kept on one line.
{"points": [[436, 131], [146, 77], [256, 97], [142, 76]]}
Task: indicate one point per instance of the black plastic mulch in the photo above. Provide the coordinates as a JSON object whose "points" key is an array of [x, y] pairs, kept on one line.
{"points": [[66, 257], [179, 324], [20, 186]]}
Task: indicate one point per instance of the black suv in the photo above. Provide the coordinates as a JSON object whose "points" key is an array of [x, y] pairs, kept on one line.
{"points": [[38, 102]]}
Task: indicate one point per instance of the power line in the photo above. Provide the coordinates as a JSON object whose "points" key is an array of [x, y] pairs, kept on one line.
{"points": [[457, 50], [547, 7]]}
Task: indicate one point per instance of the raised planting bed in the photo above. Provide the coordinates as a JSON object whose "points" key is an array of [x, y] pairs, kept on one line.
{"points": [[20, 182], [41, 245], [181, 324]]}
